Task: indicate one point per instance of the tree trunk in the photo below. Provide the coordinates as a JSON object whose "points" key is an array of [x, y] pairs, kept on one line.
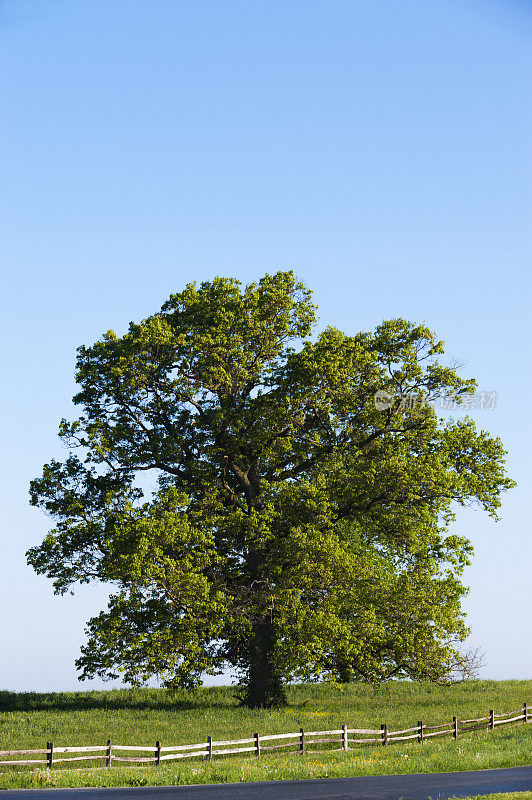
{"points": [[344, 672], [264, 685]]}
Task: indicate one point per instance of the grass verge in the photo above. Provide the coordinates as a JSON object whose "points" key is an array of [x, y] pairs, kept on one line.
{"points": [[502, 796]]}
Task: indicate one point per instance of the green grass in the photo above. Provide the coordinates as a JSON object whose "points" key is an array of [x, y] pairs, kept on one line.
{"points": [[142, 716], [502, 796]]}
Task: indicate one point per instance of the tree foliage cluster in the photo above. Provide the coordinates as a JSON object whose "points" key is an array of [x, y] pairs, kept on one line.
{"points": [[295, 530]]}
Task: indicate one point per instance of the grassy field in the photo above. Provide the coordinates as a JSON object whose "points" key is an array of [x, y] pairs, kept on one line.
{"points": [[142, 716]]}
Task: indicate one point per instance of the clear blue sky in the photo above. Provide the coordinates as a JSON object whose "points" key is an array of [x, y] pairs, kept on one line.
{"points": [[380, 148]]}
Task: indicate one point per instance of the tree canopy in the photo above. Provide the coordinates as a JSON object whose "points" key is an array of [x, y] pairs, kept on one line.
{"points": [[288, 525]]}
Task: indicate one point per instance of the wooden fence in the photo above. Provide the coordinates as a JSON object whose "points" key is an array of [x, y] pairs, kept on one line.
{"points": [[258, 744]]}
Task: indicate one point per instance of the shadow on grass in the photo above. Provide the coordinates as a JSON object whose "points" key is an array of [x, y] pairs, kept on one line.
{"points": [[120, 699]]}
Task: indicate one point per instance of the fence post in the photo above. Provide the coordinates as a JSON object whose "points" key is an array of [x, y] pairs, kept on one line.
{"points": [[420, 736], [301, 741], [209, 748], [345, 746], [384, 729], [50, 754], [492, 720], [108, 756], [257, 744], [455, 727], [157, 752], [525, 712]]}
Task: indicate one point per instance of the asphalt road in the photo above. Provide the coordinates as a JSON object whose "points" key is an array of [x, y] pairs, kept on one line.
{"points": [[379, 787]]}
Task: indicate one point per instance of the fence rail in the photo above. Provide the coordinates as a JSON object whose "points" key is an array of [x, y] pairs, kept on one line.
{"points": [[299, 740]]}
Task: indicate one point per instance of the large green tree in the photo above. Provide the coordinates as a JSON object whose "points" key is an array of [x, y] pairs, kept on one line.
{"points": [[236, 482]]}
